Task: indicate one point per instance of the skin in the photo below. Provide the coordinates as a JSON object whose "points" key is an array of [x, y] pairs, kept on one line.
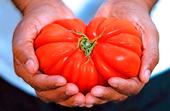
{"points": [[136, 11], [38, 13]]}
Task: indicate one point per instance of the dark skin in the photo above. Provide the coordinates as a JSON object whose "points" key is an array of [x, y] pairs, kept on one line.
{"points": [[37, 14]]}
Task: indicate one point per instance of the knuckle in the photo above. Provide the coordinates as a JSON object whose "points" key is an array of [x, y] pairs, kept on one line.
{"points": [[61, 103], [32, 25], [135, 91], [156, 58], [16, 49], [17, 44], [89, 106], [122, 98], [64, 104], [43, 97], [77, 101], [135, 88], [35, 85], [67, 104], [17, 69], [103, 102]]}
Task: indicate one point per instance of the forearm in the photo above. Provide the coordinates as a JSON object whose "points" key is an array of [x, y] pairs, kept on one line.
{"points": [[27, 5], [23, 4], [150, 3], [144, 4]]}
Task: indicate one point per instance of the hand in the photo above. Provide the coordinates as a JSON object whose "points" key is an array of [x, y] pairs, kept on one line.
{"points": [[136, 11], [37, 14]]}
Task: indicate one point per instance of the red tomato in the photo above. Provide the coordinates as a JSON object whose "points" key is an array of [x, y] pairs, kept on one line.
{"points": [[89, 55]]}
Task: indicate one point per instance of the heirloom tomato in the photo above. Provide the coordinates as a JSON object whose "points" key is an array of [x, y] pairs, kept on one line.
{"points": [[88, 55]]}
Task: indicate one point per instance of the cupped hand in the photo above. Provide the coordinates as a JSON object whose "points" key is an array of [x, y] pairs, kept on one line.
{"points": [[137, 12], [36, 15]]}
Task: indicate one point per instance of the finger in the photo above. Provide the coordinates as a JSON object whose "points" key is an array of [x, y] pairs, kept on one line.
{"points": [[74, 101], [128, 87], [107, 93], [92, 100], [43, 82], [39, 81], [59, 94], [150, 56]]}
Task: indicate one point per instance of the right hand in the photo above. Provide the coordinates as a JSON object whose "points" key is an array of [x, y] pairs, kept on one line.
{"points": [[37, 14], [137, 12]]}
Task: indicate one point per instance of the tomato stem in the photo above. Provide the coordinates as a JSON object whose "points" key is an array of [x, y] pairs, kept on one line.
{"points": [[85, 44]]}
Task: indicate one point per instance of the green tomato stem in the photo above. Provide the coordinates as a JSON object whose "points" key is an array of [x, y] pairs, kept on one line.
{"points": [[85, 44]]}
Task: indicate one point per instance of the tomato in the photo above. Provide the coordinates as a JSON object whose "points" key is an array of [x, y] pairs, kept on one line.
{"points": [[88, 55]]}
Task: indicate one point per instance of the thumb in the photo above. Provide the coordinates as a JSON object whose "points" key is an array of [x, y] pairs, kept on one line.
{"points": [[150, 56], [23, 50], [24, 54]]}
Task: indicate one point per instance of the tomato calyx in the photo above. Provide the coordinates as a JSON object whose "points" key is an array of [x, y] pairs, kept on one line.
{"points": [[85, 44]]}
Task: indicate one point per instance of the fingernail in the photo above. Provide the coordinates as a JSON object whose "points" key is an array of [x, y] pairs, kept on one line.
{"points": [[71, 89], [113, 83], [82, 105], [60, 81], [89, 106], [69, 92], [76, 104], [147, 75], [98, 92], [30, 66]]}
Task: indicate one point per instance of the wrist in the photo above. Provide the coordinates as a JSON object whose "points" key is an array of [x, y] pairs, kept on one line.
{"points": [[150, 3], [146, 5], [22, 5], [26, 6]]}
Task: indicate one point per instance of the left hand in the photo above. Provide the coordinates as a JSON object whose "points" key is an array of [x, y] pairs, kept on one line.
{"points": [[137, 12], [36, 15]]}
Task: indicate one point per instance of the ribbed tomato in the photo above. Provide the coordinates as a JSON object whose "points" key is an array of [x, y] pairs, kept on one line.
{"points": [[89, 55]]}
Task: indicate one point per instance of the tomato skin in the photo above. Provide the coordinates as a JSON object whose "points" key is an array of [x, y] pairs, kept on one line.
{"points": [[117, 51]]}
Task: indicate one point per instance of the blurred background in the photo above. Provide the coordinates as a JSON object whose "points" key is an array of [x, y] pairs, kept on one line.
{"points": [[84, 9]]}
